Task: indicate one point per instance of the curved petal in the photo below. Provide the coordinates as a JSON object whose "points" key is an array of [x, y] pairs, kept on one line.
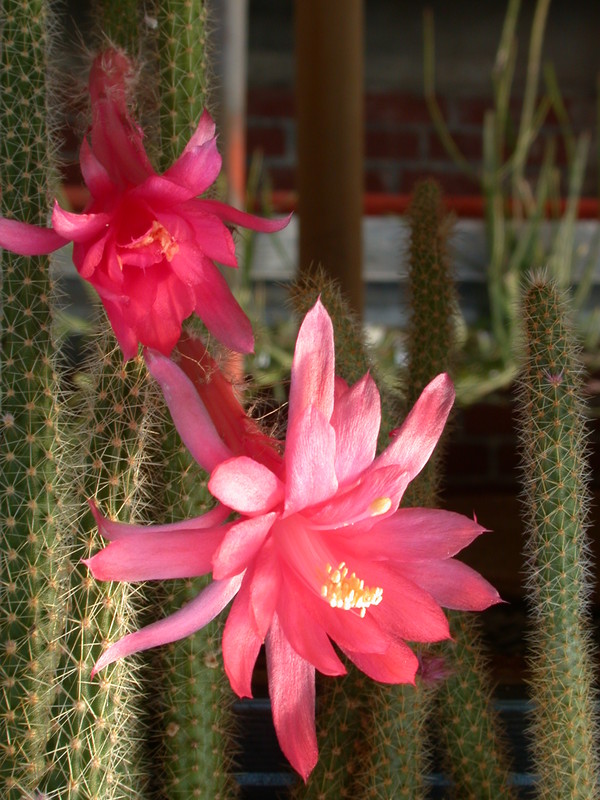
{"points": [[416, 534], [246, 486], [376, 494], [292, 692], [240, 545], [397, 665], [78, 227], [189, 414], [356, 418], [313, 366], [452, 584], [305, 635], [220, 311], [241, 643], [150, 555], [112, 530], [264, 588], [309, 461], [197, 167], [417, 437], [87, 257], [205, 231], [126, 336], [244, 220], [187, 620], [28, 240], [95, 176]]}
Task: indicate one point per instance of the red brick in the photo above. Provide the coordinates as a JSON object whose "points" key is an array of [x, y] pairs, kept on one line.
{"points": [[469, 144], [280, 177], [269, 140], [270, 102], [383, 178], [401, 145], [394, 108], [471, 110]]}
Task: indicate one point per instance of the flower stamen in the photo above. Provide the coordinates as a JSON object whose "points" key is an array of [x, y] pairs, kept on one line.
{"points": [[346, 591], [159, 234]]}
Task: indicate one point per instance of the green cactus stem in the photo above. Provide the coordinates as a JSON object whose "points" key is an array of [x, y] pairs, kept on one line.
{"points": [[564, 730], [473, 747], [34, 517], [98, 743]]}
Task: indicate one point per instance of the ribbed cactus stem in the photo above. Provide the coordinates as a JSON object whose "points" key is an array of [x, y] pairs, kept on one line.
{"points": [[556, 501], [183, 67], [473, 750], [98, 742], [33, 513]]}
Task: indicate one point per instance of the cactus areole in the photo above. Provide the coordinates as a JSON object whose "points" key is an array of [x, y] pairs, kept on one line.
{"points": [[146, 242]]}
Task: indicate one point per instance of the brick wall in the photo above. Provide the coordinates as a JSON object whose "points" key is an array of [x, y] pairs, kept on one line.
{"points": [[401, 144]]}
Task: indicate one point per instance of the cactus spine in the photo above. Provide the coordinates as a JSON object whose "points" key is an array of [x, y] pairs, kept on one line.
{"points": [[555, 472], [33, 513], [467, 724]]}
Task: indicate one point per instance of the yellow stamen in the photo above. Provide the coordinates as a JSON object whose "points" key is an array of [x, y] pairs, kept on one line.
{"points": [[380, 506], [346, 591], [158, 233]]}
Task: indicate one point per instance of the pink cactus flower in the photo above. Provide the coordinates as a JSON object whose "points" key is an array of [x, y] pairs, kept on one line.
{"points": [[320, 552], [146, 242]]}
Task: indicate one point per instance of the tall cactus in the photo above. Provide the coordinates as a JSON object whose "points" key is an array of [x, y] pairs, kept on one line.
{"points": [[555, 509], [473, 748], [33, 511]]}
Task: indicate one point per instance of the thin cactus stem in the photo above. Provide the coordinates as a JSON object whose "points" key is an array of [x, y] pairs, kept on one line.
{"points": [[34, 516], [183, 70], [472, 746], [564, 730]]}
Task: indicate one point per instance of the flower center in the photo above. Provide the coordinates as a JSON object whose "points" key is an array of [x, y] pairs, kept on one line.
{"points": [[160, 235], [346, 591]]}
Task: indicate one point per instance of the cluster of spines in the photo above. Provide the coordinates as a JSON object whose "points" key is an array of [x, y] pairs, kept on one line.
{"points": [[34, 516], [555, 508]]}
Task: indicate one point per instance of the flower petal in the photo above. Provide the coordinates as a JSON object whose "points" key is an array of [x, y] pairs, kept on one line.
{"points": [[95, 176], [112, 530], [292, 692], [419, 434], [305, 635], [150, 555], [313, 366], [241, 643], [397, 665], [78, 227], [452, 584], [246, 486], [189, 414], [240, 545], [264, 588], [415, 534], [356, 418], [219, 310], [197, 167], [309, 461], [244, 220], [187, 620], [28, 240]]}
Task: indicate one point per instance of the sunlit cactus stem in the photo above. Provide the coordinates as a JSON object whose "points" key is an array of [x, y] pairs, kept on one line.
{"points": [[33, 512], [555, 508]]}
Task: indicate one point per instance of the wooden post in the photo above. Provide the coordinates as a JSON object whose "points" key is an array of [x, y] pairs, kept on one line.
{"points": [[329, 97]]}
